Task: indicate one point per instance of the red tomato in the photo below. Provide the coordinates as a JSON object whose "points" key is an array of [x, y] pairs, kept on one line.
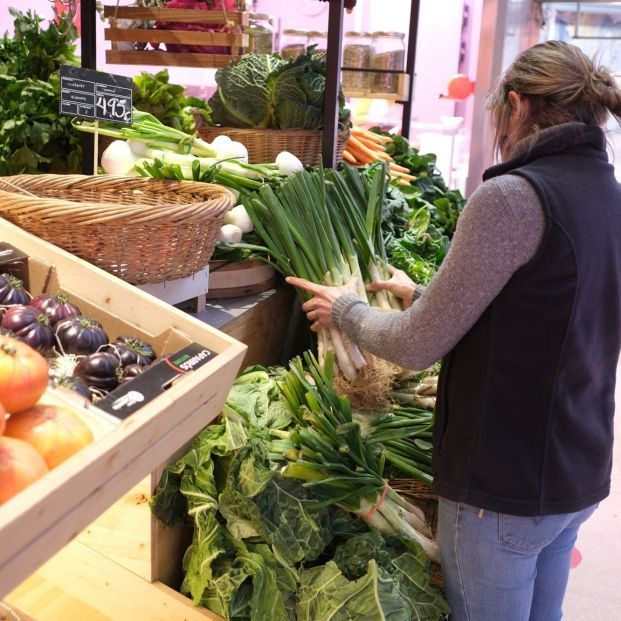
{"points": [[55, 431], [20, 465], [23, 375], [2, 419]]}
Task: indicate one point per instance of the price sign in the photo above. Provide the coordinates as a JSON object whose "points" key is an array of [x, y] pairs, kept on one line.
{"points": [[95, 94]]}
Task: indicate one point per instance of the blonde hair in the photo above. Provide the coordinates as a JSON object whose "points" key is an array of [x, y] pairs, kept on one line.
{"points": [[562, 85]]}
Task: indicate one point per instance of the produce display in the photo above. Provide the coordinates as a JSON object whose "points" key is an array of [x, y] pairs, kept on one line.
{"points": [[81, 355], [291, 514]]}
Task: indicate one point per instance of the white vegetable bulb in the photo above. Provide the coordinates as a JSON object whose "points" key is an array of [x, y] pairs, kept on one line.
{"points": [[288, 163], [232, 149], [220, 140], [230, 233], [117, 158], [239, 217], [139, 148]]}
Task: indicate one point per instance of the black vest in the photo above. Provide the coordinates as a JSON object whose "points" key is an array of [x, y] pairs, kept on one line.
{"points": [[524, 418]]}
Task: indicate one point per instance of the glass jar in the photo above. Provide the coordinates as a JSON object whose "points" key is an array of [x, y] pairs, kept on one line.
{"points": [[260, 31], [357, 53], [294, 43], [319, 40], [388, 56]]}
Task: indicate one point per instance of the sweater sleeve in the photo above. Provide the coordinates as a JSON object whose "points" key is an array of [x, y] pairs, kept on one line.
{"points": [[499, 231]]}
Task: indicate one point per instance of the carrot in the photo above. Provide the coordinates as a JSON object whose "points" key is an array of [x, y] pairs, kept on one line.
{"points": [[348, 157], [401, 175], [365, 133], [399, 168], [373, 155], [374, 146], [362, 156]]}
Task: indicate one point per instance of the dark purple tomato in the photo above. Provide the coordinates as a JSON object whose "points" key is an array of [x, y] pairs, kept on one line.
{"points": [[100, 370], [131, 351], [80, 335], [131, 371], [56, 307], [29, 325], [11, 290]]}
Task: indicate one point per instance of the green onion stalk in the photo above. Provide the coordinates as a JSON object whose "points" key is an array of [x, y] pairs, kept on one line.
{"points": [[405, 435], [163, 152], [324, 226], [335, 461]]}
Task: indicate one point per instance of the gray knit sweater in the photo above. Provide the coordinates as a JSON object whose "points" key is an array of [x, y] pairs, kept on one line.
{"points": [[498, 231]]}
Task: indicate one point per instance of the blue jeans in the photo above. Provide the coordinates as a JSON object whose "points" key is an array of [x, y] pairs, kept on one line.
{"points": [[499, 567]]}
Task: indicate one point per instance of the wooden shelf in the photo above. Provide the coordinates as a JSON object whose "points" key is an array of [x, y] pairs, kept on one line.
{"points": [[193, 16], [123, 50], [401, 94], [153, 35], [171, 59]]}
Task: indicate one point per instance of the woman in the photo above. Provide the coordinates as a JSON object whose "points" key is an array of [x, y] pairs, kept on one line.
{"points": [[526, 310]]}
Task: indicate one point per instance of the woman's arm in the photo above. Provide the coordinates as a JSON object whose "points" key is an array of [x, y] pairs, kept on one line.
{"points": [[498, 231]]}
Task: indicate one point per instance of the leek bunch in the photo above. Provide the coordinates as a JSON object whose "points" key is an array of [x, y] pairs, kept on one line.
{"points": [[337, 464], [324, 226]]}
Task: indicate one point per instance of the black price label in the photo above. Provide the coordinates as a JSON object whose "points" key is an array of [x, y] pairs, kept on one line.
{"points": [[95, 94]]}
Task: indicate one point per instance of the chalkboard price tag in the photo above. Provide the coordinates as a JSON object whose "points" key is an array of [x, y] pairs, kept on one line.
{"points": [[95, 94]]}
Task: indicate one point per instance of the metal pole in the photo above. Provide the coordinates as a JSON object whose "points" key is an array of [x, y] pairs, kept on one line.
{"points": [[333, 81], [410, 65], [88, 40]]}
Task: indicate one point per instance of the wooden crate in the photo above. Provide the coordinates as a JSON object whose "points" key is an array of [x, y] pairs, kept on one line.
{"points": [[39, 521], [123, 38]]}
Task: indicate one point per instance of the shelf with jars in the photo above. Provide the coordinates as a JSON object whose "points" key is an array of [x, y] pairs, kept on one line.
{"points": [[374, 66]]}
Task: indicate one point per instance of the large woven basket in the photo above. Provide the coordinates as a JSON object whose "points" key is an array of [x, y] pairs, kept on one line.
{"points": [[265, 144], [142, 230]]}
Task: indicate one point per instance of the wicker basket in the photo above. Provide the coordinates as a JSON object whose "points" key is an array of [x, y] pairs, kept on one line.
{"points": [[265, 144], [424, 497], [141, 230]]}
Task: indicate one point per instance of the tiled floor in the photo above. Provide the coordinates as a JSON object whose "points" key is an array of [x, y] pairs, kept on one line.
{"points": [[594, 591]]}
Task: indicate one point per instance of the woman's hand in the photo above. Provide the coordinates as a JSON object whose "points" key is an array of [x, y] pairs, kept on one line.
{"points": [[319, 308], [399, 284]]}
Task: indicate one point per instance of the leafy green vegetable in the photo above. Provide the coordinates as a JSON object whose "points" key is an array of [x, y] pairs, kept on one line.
{"points": [[403, 561], [325, 593], [167, 102], [429, 189], [263, 545], [33, 136], [243, 96], [263, 90]]}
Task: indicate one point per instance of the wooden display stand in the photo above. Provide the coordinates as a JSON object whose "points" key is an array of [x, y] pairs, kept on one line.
{"points": [[123, 39], [41, 519]]}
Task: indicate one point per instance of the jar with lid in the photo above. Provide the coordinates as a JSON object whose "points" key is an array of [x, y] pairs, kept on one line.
{"points": [[294, 43], [357, 53], [388, 56], [260, 31], [319, 40]]}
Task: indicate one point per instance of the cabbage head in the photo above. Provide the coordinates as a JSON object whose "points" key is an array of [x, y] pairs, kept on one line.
{"points": [[242, 98]]}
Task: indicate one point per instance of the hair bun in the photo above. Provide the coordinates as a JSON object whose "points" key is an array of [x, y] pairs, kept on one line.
{"points": [[604, 90]]}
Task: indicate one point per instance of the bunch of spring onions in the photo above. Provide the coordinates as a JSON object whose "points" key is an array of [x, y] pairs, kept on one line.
{"points": [[324, 226], [405, 433], [149, 148], [329, 453]]}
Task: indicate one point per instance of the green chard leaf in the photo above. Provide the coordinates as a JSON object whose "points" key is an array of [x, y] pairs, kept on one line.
{"points": [[325, 593]]}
